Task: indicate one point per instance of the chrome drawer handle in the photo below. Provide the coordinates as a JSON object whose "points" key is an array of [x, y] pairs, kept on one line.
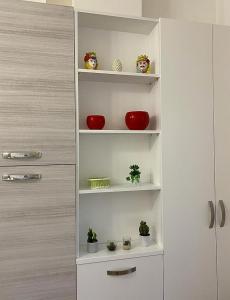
{"points": [[212, 209], [121, 272], [25, 177], [223, 212], [22, 155]]}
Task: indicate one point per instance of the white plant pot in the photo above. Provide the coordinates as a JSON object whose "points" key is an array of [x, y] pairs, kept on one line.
{"points": [[92, 247], [146, 240]]}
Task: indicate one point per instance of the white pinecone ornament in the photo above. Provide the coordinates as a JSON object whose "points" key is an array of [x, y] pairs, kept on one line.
{"points": [[117, 65]]}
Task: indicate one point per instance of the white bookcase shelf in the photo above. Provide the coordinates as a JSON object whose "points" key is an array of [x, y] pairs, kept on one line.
{"points": [[122, 188], [117, 211], [117, 77], [124, 131], [111, 22], [104, 255]]}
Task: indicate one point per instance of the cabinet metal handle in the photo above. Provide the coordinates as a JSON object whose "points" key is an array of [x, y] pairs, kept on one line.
{"points": [[223, 212], [22, 155], [212, 210], [121, 272], [25, 177]]}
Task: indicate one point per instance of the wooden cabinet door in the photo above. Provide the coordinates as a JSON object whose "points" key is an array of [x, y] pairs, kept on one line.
{"points": [[37, 106], [188, 161], [37, 233], [221, 59]]}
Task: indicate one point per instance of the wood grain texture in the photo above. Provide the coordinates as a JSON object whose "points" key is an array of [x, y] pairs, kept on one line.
{"points": [[37, 235], [37, 95]]}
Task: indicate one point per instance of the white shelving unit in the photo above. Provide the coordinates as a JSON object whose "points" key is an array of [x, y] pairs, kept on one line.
{"points": [[104, 255], [110, 152], [121, 188], [116, 23], [149, 132], [117, 77]]}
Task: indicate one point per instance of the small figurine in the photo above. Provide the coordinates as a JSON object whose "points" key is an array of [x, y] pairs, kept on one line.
{"points": [[91, 61], [117, 65], [143, 64]]}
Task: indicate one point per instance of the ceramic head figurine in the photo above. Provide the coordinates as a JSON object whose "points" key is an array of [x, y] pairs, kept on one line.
{"points": [[143, 64], [91, 61]]}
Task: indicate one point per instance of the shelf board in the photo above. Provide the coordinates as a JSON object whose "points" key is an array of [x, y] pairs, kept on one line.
{"points": [[87, 131], [104, 255], [117, 77], [121, 188], [113, 22]]}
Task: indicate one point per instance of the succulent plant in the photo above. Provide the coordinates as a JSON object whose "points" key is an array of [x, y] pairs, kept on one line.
{"points": [[144, 229], [111, 246], [92, 236]]}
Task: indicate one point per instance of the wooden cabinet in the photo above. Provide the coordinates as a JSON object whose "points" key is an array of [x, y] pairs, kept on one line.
{"points": [[37, 230], [37, 82], [137, 278], [188, 161], [37, 117], [221, 51]]}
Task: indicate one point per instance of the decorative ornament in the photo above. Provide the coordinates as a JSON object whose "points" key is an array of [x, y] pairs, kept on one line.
{"points": [[91, 61], [143, 64], [134, 175], [95, 121], [117, 65]]}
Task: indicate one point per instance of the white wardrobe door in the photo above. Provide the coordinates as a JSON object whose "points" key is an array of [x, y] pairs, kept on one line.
{"points": [[222, 150], [188, 161]]}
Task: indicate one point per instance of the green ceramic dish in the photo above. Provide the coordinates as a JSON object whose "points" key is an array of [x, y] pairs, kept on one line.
{"points": [[99, 183]]}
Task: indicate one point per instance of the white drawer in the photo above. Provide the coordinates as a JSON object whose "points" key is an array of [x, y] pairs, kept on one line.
{"points": [[144, 280]]}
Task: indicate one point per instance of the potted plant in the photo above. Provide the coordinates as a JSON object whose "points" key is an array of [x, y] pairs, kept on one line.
{"points": [[144, 234], [111, 245], [126, 243], [92, 243], [134, 175]]}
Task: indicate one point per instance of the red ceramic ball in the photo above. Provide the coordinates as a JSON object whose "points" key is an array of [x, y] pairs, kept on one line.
{"points": [[95, 122], [137, 120]]}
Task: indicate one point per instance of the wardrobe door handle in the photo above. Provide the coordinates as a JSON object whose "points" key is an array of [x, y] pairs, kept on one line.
{"points": [[22, 155], [25, 177], [212, 210], [223, 213], [121, 272]]}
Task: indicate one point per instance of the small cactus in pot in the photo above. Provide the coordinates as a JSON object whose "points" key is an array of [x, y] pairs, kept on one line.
{"points": [[144, 234], [92, 242]]}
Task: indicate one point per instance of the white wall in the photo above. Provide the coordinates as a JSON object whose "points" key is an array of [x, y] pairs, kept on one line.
{"points": [[223, 12], [42, 1], [60, 2], [124, 7], [195, 10]]}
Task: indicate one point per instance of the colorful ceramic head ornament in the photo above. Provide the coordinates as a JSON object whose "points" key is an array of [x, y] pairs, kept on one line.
{"points": [[91, 61], [143, 64]]}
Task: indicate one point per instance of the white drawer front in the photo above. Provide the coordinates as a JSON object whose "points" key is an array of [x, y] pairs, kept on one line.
{"points": [[146, 283]]}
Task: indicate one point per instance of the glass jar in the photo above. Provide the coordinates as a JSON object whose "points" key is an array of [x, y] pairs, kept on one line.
{"points": [[126, 243], [111, 245]]}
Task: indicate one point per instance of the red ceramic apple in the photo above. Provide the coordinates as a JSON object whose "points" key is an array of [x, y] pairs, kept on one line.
{"points": [[137, 120], [95, 122]]}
